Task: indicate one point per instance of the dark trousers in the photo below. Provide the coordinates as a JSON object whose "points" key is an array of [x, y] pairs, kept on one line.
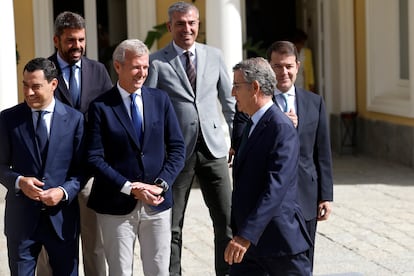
{"points": [[63, 255], [214, 180], [311, 227], [272, 266]]}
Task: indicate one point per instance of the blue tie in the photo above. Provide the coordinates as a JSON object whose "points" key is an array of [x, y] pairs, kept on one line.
{"points": [[74, 86], [285, 100], [41, 134], [136, 117]]}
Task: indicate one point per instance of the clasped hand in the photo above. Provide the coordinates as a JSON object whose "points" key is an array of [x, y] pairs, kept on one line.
{"points": [[149, 194], [293, 117], [32, 188]]}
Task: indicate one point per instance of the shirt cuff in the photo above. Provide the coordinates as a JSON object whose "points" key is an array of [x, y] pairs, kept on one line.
{"points": [[16, 184], [65, 198], [126, 189]]}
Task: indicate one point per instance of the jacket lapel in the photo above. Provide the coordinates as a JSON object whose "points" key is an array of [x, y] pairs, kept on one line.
{"points": [[61, 81], [174, 60], [121, 113], [260, 126], [27, 132], [302, 108], [201, 63]]}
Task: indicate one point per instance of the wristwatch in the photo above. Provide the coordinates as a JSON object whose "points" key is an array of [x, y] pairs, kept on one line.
{"points": [[159, 182]]}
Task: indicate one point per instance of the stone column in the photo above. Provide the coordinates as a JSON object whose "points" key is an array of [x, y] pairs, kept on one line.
{"points": [[224, 29], [8, 77]]}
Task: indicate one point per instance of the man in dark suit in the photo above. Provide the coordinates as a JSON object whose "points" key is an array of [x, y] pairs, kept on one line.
{"points": [[307, 112], [195, 77], [89, 80], [268, 227], [40, 164], [136, 150]]}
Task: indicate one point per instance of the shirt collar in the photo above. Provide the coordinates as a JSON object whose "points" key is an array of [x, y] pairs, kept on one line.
{"points": [[290, 92], [63, 64], [48, 108], [180, 51], [124, 93], [259, 113]]}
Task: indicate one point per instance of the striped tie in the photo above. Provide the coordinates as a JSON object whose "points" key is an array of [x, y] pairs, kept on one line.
{"points": [[190, 70]]}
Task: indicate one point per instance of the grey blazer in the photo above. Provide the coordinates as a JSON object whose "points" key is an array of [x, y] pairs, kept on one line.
{"points": [[200, 108]]}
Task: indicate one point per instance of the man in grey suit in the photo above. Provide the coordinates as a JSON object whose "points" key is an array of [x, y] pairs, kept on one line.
{"points": [[195, 76]]}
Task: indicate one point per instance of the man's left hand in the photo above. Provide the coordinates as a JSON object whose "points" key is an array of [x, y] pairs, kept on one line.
{"points": [[235, 250], [324, 210]]}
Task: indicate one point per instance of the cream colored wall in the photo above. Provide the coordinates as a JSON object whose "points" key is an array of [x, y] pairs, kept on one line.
{"points": [[162, 16], [361, 71], [23, 20]]}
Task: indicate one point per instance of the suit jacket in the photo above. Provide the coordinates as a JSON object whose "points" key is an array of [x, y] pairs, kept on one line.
{"points": [[197, 110], [94, 82], [116, 155], [19, 156], [264, 206], [315, 158]]}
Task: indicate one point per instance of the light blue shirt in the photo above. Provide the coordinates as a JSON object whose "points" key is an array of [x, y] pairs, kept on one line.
{"points": [[65, 67], [291, 99], [259, 114]]}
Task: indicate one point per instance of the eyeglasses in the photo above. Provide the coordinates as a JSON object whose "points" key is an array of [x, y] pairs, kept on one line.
{"points": [[236, 85]]}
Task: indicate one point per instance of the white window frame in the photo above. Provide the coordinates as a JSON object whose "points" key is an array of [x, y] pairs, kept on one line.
{"points": [[386, 92]]}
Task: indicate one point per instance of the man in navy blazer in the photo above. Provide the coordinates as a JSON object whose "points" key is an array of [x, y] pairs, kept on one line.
{"points": [[41, 201], [135, 164], [268, 227], [93, 80], [307, 112]]}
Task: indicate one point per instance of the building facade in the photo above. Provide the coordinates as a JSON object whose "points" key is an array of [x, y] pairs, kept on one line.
{"points": [[362, 61]]}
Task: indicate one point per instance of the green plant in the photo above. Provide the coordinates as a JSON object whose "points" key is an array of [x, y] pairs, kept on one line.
{"points": [[256, 48], [155, 34]]}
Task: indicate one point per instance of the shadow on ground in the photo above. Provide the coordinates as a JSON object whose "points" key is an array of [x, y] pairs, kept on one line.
{"points": [[356, 169]]}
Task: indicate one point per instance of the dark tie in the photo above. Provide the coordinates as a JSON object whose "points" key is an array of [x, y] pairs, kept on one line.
{"points": [[136, 117], [190, 70], [245, 135], [74, 86], [41, 134]]}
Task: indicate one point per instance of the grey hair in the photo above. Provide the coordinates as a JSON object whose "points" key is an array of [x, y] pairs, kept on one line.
{"points": [[181, 7], [134, 46], [258, 69], [68, 20]]}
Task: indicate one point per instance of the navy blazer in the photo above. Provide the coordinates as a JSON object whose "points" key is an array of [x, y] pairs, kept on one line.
{"points": [[315, 158], [19, 156], [264, 206], [95, 81], [115, 154]]}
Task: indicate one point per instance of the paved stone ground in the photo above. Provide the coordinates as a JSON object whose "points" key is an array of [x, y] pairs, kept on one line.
{"points": [[371, 230]]}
